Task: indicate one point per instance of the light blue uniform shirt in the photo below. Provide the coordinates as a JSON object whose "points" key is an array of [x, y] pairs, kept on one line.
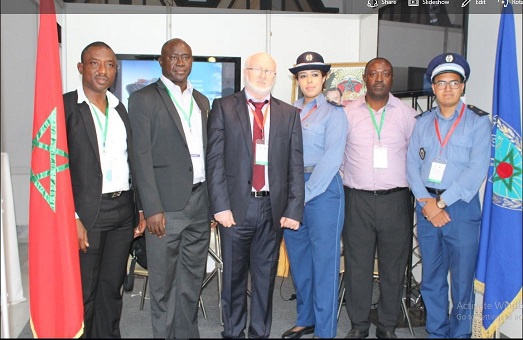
{"points": [[324, 135], [466, 154]]}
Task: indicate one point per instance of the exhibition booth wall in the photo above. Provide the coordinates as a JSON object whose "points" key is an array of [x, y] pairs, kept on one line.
{"points": [[340, 38]]}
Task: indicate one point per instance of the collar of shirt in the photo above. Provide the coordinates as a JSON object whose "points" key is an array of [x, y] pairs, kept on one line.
{"points": [[454, 115], [249, 97], [111, 98], [175, 89], [393, 101], [319, 100]]}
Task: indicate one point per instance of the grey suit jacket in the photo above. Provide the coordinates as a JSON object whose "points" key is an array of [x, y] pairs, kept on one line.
{"points": [[229, 158], [84, 157], [164, 172]]}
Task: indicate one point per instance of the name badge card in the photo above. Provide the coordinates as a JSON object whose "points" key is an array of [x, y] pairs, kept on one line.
{"points": [[380, 157], [107, 161], [192, 141], [262, 152], [436, 172]]}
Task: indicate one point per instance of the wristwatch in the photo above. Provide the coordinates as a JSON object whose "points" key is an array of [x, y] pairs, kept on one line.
{"points": [[440, 203]]}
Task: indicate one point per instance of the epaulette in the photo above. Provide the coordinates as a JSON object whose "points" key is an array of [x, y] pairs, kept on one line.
{"points": [[334, 103], [421, 114], [477, 110]]}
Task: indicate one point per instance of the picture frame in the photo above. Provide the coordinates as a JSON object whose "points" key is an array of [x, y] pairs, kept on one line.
{"points": [[347, 77]]}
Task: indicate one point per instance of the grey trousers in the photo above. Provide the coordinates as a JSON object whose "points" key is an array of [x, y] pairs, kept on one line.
{"points": [[176, 264]]}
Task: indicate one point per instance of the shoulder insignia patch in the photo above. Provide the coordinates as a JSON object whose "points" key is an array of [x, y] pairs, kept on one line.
{"points": [[477, 110], [422, 153]]}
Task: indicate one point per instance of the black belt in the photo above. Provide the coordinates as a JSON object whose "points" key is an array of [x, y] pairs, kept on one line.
{"points": [[196, 186], [114, 194], [383, 192], [259, 193], [435, 191]]}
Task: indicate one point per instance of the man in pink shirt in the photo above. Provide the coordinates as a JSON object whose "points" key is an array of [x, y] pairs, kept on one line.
{"points": [[378, 203]]}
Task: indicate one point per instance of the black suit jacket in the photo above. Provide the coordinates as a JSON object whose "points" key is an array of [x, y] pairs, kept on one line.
{"points": [[84, 157], [229, 159], [164, 172]]}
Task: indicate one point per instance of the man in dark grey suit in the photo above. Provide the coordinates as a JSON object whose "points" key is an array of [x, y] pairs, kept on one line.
{"points": [[101, 162], [169, 119], [256, 188]]}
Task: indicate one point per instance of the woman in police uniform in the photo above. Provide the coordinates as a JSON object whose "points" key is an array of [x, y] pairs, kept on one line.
{"points": [[314, 249]]}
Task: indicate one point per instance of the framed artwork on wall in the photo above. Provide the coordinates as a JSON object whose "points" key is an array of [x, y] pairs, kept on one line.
{"points": [[346, 78]]}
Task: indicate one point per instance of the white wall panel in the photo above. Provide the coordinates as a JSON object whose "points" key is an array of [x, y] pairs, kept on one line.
{"points": [[334, 36], [125, 33]]}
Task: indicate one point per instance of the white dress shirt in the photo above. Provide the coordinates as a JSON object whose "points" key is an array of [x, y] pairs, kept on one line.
{"points": [[192, 125], [113, 155], [266, 128]]}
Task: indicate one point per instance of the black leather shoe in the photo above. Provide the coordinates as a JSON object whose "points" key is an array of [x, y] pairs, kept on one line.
{"points": [[356, 333], [290, 334], [385, 334]]}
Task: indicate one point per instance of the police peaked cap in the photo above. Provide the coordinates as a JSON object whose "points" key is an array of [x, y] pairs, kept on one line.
{"points": [[310, 61], [448, 62]]}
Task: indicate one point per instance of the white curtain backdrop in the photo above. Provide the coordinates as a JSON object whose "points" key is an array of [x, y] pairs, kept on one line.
{"points": [[10, 257]]}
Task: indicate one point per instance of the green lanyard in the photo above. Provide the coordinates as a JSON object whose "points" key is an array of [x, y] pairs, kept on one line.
{"points": [[378, 129], [104, 130], [186, 116]]}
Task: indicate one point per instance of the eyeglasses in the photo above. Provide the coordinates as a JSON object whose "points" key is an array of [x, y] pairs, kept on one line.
{"points": [[454, 84], [259, 71]]}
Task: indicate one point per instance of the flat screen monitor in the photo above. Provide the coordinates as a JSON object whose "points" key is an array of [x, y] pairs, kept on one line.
{"points": [[409, 36], [215, 77], [410, 81]]}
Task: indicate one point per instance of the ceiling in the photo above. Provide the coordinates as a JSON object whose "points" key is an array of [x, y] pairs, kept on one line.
{"points": [[315, 6]]}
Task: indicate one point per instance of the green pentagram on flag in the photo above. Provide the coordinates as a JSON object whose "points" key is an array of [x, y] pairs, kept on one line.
{"points": [[506, 177], [54, 168]]}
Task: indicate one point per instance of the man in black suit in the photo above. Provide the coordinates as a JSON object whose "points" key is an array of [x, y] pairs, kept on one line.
{"points": [[101, 162], [169, 119], [256, 188]]}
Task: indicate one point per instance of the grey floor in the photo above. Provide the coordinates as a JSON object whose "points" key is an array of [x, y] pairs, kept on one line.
{"points": [[136, 323]]}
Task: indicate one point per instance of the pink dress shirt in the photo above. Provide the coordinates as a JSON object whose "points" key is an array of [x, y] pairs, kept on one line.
{"points": [[358, 170]]}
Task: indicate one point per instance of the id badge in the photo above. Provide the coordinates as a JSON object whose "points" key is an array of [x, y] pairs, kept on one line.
{"points": [[108, 165], [436, 171], [262, 152], [192, 141], [380, 157]]}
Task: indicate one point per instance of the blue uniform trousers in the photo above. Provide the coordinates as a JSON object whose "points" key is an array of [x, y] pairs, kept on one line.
{"points": [[452, 247], [314, 255]]}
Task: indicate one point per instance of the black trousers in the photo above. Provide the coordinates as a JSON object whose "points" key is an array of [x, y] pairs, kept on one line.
{"points": [[254, 247], [104, 264], [382, 223]]}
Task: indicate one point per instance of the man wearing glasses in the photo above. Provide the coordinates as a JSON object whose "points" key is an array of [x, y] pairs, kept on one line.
{"points": [[447, 161], [256, 188]]}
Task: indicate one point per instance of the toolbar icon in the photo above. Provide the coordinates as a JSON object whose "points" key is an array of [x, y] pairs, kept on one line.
{"points": [[372, 3]]}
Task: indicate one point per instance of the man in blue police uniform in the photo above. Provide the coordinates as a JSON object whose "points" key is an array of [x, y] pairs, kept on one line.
{"points": [[447, 161]]}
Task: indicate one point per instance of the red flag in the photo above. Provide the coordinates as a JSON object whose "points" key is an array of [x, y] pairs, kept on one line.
{"points": [[54, 266]]}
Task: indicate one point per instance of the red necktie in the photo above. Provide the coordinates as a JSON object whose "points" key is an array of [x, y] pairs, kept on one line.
{"points": [[258, 171]]}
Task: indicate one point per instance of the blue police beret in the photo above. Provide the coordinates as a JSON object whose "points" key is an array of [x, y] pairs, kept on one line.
{"points": [[310, 61], [448, 62]]}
